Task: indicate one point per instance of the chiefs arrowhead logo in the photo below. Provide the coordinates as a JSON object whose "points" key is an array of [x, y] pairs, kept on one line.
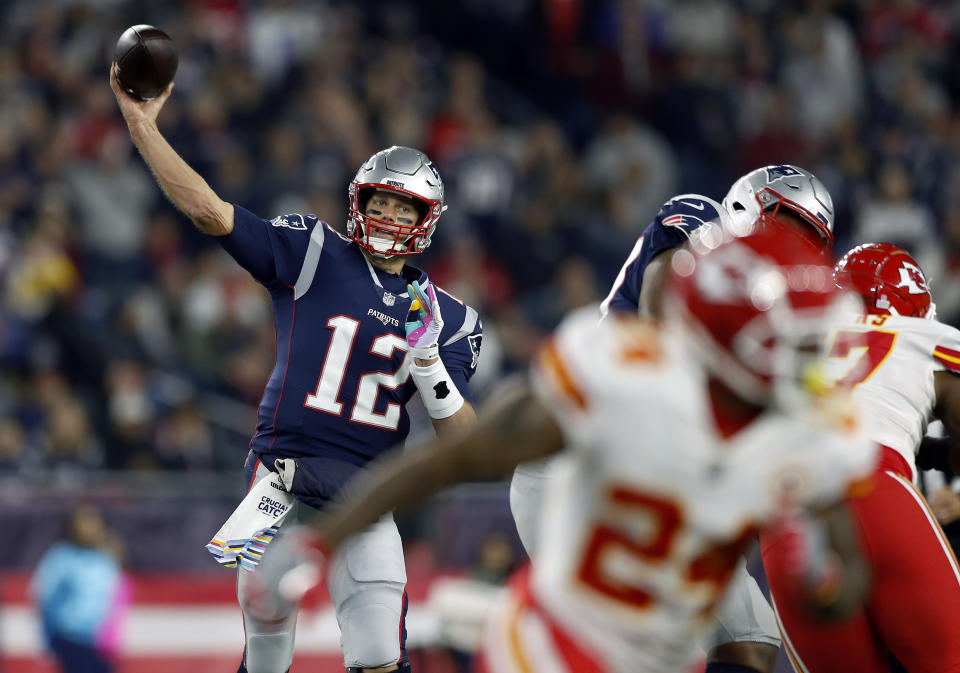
{"points": [[911, 277]]}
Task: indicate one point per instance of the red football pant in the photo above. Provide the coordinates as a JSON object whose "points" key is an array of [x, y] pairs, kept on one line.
{"points": [[913, 608]]}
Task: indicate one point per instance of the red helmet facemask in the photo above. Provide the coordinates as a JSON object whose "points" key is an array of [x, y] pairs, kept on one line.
{"points": [[888, 278]]}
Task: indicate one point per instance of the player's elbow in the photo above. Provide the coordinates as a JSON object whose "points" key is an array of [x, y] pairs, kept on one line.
{"points": [[467, 453], [213, 217], [464, 418]]}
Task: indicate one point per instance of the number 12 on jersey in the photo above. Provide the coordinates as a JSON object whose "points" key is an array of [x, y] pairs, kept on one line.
{"points": [[326, 397]]}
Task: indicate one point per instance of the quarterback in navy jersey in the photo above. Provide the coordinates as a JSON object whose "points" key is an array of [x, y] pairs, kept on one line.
{"points": [[341, 379], [745, 638], [359, 332]]}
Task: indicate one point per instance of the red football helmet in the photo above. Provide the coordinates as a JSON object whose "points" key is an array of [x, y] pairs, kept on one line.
{"points": [[888, 278], [757, 309]]}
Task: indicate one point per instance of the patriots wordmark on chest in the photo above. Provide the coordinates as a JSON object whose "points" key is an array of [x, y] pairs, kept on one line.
{"points": [[389, 298], [383, 317]]}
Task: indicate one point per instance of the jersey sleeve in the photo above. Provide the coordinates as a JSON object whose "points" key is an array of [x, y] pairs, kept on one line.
{"points": [[677, 220], [946, 352], [460, 341], [562, 379], [273, 251]]}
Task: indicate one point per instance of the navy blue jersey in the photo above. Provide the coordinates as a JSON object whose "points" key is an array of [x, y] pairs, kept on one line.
{"points": [[341, 378], [678, 218]]}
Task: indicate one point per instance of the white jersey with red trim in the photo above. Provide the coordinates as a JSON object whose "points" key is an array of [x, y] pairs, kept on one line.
{"points": [[889, 362], [649, 509]]}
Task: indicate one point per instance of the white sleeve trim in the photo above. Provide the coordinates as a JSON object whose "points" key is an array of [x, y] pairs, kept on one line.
{"points": [[621, 277], [469, 324], [310, 262]]}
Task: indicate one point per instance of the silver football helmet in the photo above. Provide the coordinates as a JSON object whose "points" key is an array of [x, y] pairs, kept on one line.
{"points": [[761, 193], [406, 172]]}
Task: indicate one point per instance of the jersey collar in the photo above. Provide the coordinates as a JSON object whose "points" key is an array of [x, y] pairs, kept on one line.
{"points": [[409, 273]]}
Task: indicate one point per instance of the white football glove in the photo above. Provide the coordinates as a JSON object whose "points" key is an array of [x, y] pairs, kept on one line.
{"points": [[292, 564], [424, 322]]}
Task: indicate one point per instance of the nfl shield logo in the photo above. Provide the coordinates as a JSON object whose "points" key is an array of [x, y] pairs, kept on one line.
{"points": [[389, 298]]}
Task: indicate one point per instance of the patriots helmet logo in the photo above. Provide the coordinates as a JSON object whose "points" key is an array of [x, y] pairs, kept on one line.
{"points": [[778, 172]]}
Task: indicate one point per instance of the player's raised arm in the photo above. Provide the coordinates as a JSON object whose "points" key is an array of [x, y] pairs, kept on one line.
{"points": [[183, 186], [639, 285], [651, 292]]}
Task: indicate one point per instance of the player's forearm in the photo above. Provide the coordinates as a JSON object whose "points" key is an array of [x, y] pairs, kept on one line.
{"points": [[400, 481], [947, 390], [464, 417], [651, 290], [949, 445], [514, 429], [936, 453], [183, 186]]}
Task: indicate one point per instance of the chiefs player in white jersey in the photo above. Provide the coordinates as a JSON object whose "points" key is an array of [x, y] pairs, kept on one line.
{"points": [[902, 366], [677, 442], [746, 638]]}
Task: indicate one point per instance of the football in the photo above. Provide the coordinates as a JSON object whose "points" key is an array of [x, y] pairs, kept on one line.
{"points": [[146, 61]]}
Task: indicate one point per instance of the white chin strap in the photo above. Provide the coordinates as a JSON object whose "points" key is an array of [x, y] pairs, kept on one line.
{"points": [[382, 246], [385, 248]]}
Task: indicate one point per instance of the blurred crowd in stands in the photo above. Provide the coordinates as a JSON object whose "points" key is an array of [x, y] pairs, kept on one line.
{"points": [[129, 340]]}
